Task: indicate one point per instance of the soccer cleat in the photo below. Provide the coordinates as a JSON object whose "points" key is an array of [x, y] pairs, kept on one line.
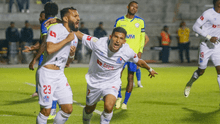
{"points": [[139, 85], [51, 117], [34, 94], [187, 91], [123, 106], [118, 103]]}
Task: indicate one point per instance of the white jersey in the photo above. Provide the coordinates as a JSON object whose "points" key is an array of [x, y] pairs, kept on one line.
{"points": [[210, 23], [56, 34], [105, 66]]}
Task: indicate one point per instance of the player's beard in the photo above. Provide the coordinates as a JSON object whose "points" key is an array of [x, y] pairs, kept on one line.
{"points": [[130, 12], [72, 26]]}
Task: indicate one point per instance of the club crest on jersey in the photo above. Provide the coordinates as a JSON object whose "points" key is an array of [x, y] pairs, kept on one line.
{"points": [[119, 60], [137, 25], [46, 98], [202, 18], [53, 34]]}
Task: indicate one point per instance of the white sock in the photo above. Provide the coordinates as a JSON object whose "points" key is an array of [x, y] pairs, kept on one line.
{"points": [[194, 77], [53, 112], [41, 119], [61, 117], [86, 117], [139, 82], [106, 117], [218, 78]]}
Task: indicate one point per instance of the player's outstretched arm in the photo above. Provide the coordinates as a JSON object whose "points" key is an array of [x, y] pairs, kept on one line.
{"points": [[34, 47], [143, 64], [79, 35], [40, 51]]}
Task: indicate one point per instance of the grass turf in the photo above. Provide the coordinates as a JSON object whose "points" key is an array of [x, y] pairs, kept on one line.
{"points": [[161, 101]]}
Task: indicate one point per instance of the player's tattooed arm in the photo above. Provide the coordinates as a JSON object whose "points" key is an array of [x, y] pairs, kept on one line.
{"points": [[34, 47], [143, 64], [40, 51]]}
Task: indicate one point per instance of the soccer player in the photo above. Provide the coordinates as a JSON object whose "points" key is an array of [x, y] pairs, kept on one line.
{"points": [[53, 83], [103, 78], [209, 21], [135, 38]]}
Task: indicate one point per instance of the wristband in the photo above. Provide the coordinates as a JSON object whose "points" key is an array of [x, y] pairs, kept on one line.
{"points": [[208, 37], [150, 70], [72, 56]]}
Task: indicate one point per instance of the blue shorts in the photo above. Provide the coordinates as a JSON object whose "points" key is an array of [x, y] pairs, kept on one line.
{"points": [[40, 59], [131, 66]]}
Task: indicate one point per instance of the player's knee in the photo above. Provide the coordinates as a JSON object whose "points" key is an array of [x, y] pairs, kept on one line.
{"points": [[45, 112], [88, 110], [200, 72], [108, 108], [68, 111]]}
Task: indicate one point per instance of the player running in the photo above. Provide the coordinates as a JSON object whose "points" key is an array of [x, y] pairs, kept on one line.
{"points": [[53, 83], [210, 47], [103, 78], [135, 38]]}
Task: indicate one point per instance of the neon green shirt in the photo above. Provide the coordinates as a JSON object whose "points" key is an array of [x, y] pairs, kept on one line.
{"points": [[135, 32]]}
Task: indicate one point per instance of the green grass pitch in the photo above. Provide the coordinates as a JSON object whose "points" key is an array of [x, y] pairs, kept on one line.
{"points": [[161, 101]]}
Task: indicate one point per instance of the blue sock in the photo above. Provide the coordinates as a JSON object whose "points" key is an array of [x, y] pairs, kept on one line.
{"points": [[127, 96], [36, 89], [119, 93], [54, 104], [138, 74]]}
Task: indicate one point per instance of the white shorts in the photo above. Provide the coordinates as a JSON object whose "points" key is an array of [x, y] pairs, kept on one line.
{"points": [[53, 85], [94, 94], [206, 53]]}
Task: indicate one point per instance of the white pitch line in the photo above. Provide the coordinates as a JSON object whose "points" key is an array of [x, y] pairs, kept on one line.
{"points": [[6, 115], [79, 104]]}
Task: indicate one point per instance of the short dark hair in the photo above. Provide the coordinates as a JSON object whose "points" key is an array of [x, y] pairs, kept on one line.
{"points": [[214, 2], [64, 11], [12, 23], [42, 12], [51, 9], [119, 29], [26, 21], [132, 2]]}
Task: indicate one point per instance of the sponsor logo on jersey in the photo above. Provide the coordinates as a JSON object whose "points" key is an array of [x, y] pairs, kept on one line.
{"points": [[137, 25], [119, 60], [202, 18], [216, 26], [130, 36], [135, 55], [89, 38], [94, 39], [46, 98], [123, 25], [202, 54], [53, 34], [105, 65]]}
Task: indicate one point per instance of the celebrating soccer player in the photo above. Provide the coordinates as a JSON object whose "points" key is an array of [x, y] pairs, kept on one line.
{"points": [[207, 25], [135, 38], [61, 43], [103, 78]]}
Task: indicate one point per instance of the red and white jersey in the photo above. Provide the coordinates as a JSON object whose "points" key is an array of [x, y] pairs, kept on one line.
{"points": [[56, 34], [210, 23], [105, 66]]}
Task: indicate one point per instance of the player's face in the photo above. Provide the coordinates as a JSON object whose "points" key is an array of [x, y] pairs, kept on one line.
{"points": [[73, 20], [133, 8], [42, 18], [217, 4], [116, 41]]}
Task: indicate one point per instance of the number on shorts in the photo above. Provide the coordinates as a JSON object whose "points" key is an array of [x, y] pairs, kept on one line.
{"points": [[45, 89], [88, 92]]}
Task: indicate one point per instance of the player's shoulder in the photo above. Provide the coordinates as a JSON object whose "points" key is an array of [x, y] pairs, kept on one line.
{"points": [[120, 18], [209, 11], [138, 18], [58, 27], [126, 48]]}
